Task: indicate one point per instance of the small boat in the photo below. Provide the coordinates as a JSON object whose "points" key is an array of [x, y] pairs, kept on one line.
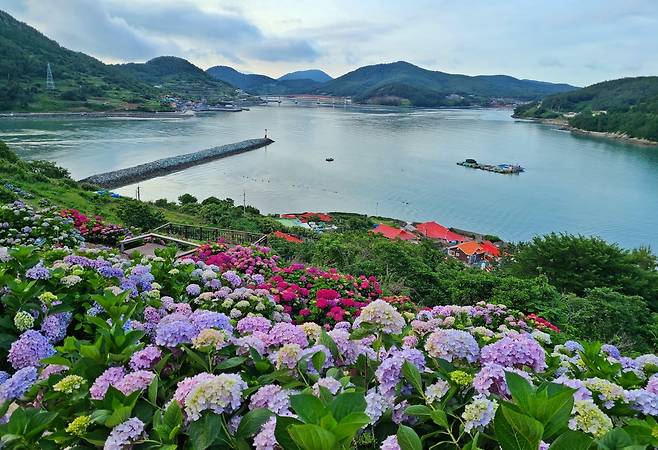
{"points": [[329, 159]]}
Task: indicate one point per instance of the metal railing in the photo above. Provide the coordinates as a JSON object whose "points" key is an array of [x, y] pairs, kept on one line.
{"points": [[204, 234]]}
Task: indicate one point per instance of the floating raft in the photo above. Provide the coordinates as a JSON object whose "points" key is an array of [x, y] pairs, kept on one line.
{"points": [[507, 169]]}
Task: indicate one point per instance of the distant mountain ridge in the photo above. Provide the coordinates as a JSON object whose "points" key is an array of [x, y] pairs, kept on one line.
{"points": [[404, 83], [262, 84], [627, 106], [312, 74]]}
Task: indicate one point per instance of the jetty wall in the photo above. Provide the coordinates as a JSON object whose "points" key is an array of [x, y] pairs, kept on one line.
{"points": [[160, 167]]}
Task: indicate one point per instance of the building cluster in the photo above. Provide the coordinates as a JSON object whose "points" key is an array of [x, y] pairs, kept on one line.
{"points": [[474, 252]]}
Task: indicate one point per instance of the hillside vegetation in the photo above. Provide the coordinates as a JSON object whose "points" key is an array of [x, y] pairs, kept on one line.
{"points": [[405, 83], [178, 77], [626, 106]]}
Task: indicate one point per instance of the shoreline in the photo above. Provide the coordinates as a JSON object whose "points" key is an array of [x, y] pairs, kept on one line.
{"points": [[95, 115], [564, 125]]}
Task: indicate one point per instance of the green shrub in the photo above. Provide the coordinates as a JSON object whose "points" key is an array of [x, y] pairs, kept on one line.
{"points": [[48, 169], [7, 196], [89, 187], [186, 199], [140, 215], [7, 154]]}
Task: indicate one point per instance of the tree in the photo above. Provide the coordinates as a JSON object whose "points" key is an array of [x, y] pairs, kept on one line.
{"points": [[135, 213], [607, 316], [187, 199], [576, 264]]}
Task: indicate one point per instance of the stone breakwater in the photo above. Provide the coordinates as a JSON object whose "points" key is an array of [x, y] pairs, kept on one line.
{"points": [[160, 167]]}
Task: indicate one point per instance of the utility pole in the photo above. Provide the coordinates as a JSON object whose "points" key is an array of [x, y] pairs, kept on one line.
{"points": [[244, 203], [138, 196]]}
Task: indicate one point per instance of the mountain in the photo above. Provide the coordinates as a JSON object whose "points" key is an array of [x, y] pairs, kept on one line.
{"points": [[627, 106], [312, 74], [404, 83], [262, 84], [81, 82], [178, 77]]}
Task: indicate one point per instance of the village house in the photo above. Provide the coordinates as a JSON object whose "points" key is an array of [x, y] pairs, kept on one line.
{"points": [[474, 253], [394, 233]]}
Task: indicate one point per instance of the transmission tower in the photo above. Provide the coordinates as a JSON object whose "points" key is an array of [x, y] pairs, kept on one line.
{"points": [[50, 83]]}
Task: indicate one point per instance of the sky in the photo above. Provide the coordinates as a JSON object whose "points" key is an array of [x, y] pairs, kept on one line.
{"points": [[572, 41]]}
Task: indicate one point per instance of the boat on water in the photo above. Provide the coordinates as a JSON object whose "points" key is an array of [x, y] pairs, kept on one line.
{"points": [[506, 169], [329, 159]]}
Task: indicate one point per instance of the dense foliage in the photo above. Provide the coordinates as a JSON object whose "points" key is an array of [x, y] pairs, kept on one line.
{"points": [[105, 352], [630, 105]]}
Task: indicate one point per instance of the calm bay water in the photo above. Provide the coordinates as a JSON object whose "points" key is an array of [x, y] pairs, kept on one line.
{"points": [[390, 162]]}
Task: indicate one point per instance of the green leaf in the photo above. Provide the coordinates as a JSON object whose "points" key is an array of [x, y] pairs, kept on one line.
{"points": [[418, 410], [308, 407], [412, 375], [312, 437], [318, 360], [204, 431], [572, 440], [408, 439], [346, 404], [522, 391], [153, 391], [252, 422], [120, 414], [615, 439], [231, 362], [440, 418], [349, 425], [281, 432], [328, 342], [516, 431]]}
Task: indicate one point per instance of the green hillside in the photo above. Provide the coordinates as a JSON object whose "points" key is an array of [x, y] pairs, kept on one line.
{"points": [[262, 84], [627, 106], [405, 83], [170, 75], [81, 82]]}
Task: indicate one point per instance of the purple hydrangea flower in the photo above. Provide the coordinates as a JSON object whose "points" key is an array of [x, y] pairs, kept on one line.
{"points": [[349, 349], [54, 326], [135, 381], [233, 278], [175, 329], [193, 290], [451, 344], [38, 272], [390, 443], [389, 372], [145, 358], [108, 378], [204, 319], [644, 401], [265, 439], [29, 349], [611, 351], [491, 379], [110, 272], [18, 384], [516, 350], [272, 397], [287, 333], [124, 434], [652, 384], [251, 324]]}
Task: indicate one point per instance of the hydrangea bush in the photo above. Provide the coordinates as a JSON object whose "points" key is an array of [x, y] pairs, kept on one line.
{"points": [[98, 351], [96, 230]]}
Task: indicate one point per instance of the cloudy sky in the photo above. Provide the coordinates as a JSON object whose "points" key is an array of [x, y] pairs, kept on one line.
{"points": [[578, 42]]}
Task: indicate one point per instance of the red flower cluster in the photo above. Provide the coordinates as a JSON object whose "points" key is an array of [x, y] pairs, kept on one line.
{"points": [[540, 322], [96, 230]]}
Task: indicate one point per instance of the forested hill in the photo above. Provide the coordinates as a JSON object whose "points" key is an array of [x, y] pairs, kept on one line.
{"points": [[81, 82], [262, 84], [178, 77], [405, 83], [626, 106]]}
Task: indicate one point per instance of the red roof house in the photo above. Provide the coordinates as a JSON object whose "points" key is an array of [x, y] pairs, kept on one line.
{"points": [[287, 237], [394, 233], [473, 252], [433, 230], [315, 216]]}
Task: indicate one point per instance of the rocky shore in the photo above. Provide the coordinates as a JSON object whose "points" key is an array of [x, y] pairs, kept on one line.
{"points": [[564, 125], [166, 166]]}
